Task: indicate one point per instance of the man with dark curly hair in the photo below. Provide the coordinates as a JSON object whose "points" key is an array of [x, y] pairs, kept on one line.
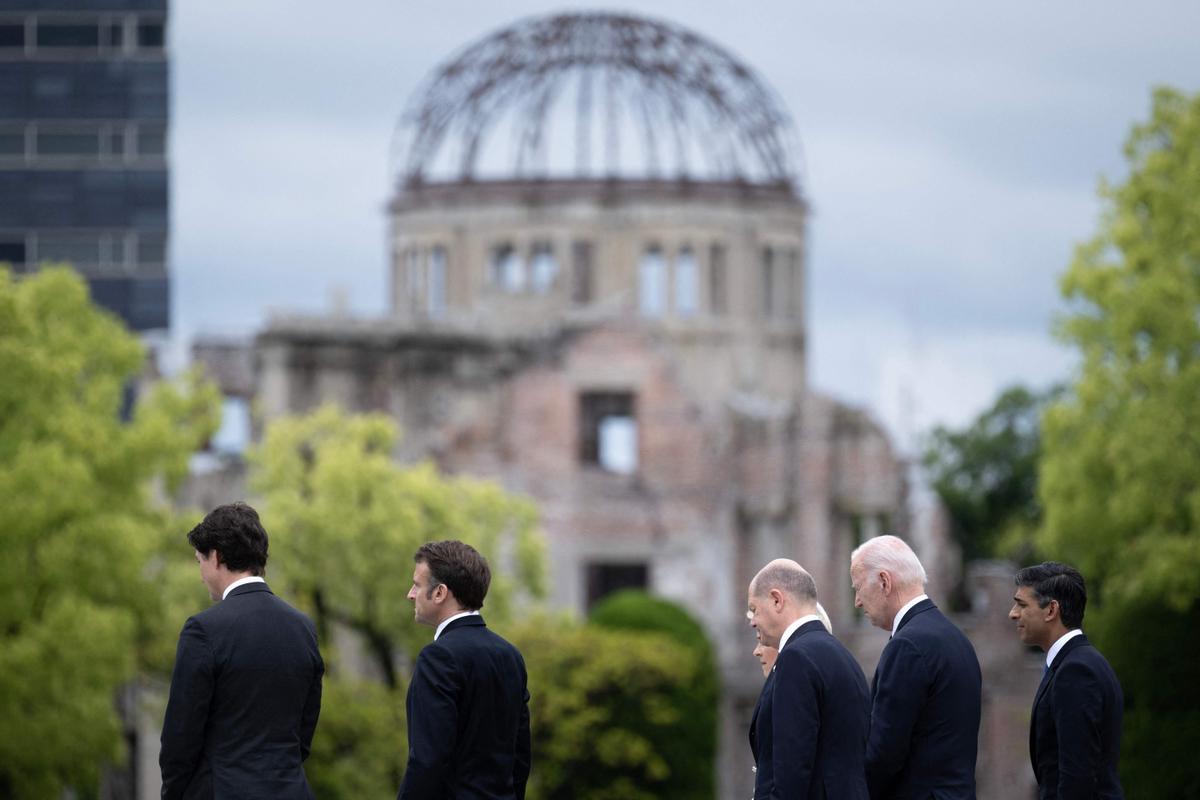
{"points": [[246, 688], [468, 704]]}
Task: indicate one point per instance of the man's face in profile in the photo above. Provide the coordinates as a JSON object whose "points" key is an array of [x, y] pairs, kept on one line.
{"points": [[868, 595], [425, 610], [758, 614], [1032, 628]]}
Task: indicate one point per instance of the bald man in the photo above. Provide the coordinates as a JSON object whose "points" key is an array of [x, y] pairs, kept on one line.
{"points": [[925, 696], [811, 726]]}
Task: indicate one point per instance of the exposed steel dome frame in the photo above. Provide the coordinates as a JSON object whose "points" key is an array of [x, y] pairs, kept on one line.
{"points": [[698, 112]]}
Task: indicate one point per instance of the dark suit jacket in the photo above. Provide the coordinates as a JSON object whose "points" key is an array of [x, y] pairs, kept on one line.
{"points": [[925, 705], [811, 731], [468, 718], [763, 697], [1075, 732], [244, 700]]}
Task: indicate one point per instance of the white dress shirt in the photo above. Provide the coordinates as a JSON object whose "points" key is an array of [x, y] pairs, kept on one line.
{"points": [[442, 626], [240, 582], [1057, 646], [904, 609], [787, 634]]}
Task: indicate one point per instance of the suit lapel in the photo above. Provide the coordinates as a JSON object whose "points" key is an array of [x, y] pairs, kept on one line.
{"points": [[1047, 679], [1077, 641], [919, 608], [469, 621], [803, 630]]}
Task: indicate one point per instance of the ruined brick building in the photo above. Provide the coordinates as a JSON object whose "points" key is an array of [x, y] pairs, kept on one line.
{"points": [[613, 323]]}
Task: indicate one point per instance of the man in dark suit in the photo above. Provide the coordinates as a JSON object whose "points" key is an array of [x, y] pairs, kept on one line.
{"points": [[927, 690], [1075, 730], [246, 688], [811, 726], [468, 705]]}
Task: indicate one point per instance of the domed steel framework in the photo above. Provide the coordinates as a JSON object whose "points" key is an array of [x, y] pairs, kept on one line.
{"points": [[627, 96]]}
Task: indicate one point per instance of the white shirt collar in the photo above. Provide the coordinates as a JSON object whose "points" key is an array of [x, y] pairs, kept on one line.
{"points": [[1058, 646], [904, 609], [241, 582], [795, 626], [442, 626]]}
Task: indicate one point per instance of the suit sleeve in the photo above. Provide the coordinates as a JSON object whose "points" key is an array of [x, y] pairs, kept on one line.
{"points": [[1077, 708], [524, 754], [312, 707], [901, 685], [795, 723], [432, 707], [187, 710]]}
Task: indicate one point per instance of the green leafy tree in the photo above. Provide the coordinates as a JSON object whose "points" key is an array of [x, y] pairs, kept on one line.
{"points": [[690, 751], [1119, 478], [81, 525], [361, 742], [345, 520], [986, 475], [604, 710]]}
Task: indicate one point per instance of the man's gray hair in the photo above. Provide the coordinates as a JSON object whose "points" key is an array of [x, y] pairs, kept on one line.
{"points": [[787, 576], [889, 554]]}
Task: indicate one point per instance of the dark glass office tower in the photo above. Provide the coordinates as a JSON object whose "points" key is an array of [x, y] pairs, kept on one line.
{"points": [[83, 157]]}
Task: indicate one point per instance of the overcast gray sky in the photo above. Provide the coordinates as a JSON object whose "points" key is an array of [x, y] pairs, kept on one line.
{"points": [[951, 154]]}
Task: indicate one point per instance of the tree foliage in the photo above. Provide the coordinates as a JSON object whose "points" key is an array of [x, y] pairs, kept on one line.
{"points": [[345, 520], [689, 752], [81, 526], [986, 475], [361, 741], [1123, 451], [1121, 470], [604, 710]]}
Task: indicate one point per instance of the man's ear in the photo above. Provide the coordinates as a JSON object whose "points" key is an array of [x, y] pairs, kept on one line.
{"points": [[776, 598], [885, 582], [1053, 611]]}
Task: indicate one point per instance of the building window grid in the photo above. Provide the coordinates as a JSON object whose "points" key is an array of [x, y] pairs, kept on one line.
{"points": [[102, 35], [114, 142], [108, 251]]}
